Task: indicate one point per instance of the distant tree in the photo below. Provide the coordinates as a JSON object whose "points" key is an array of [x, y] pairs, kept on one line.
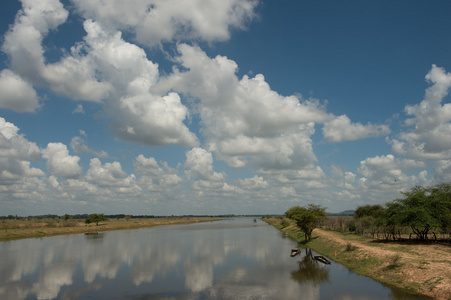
{"points": [[307, 218], [95, 218], [66, 217], [365, 218], [374, 211]]}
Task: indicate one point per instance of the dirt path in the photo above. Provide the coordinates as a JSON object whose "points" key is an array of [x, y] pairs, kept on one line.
{"points": [[428, 266]]}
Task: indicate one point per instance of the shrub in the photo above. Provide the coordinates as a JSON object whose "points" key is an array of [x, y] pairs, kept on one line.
{"points": [[350, 247], [285, 223]]}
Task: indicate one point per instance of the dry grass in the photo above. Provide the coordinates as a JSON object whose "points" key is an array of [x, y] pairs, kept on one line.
{"points": [[22, 229], [420, 268]]}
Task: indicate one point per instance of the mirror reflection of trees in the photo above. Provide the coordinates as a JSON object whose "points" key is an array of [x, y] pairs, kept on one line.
{"points": [[94, 237], [310, 270]]}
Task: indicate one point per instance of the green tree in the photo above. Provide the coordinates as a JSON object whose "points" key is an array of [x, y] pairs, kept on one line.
{"points": [[66, 217], [95, 218], [422, 209], [365, 218], [391, 220], [442, 199], [374, 211], [307, 218]]}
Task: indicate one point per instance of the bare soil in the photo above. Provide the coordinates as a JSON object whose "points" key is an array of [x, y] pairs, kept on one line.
{"points": [[426, 266], [420, 268]]}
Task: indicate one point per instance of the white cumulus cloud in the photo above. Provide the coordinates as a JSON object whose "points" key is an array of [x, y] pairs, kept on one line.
{"points": [[245, 121], [199, 165], [154, 177], [17, 94], [388, 169], [156, 21], [341, 129], [60, 163], [430, 122]]}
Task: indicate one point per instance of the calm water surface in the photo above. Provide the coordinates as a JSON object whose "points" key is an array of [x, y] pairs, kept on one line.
{"points": [[230, 259]]}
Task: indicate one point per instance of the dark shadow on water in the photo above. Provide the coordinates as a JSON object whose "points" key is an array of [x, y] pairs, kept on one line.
{"points": [[94, 237]]}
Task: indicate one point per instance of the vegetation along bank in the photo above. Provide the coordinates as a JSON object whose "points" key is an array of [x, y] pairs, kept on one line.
{"points": [[22, 228], [405, 243]]}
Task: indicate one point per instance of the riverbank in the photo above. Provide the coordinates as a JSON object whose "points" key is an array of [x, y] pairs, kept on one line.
{"points": [[418, 268], [34, 228]]}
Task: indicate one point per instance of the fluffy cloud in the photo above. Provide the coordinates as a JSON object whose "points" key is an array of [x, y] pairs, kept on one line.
{"points": [[60, 163], [15, 153], [73, 76], [206, 182], [154, 177], [387, 169], [78, 144], [153, 120], [431, 121], [156, 21], [341, 129], [103, 66], [19, 181], [112, 179], [287, 151], [23, 41], [138, 115], [108, 174], [199, 165], [245, 121], [443, 171], [17, 94], [254, 183], [15, 145]]}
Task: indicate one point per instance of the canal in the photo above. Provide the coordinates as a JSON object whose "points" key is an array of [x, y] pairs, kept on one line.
{"points": [[240, 258]]}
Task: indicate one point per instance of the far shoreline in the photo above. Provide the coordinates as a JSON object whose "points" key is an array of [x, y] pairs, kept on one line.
{"points": [[24, 229]]}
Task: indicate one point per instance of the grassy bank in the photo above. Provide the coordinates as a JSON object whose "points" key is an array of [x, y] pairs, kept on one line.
{"points": [[418, 268], [22, 229]]}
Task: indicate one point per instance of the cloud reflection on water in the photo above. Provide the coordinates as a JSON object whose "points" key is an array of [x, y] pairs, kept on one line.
{"points": [[224, 260]]}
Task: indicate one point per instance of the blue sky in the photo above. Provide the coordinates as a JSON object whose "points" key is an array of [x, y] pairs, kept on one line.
{"points": [[211, 107]]}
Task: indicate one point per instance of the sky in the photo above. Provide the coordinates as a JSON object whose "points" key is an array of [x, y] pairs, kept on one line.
{"points": [[173, 107]]}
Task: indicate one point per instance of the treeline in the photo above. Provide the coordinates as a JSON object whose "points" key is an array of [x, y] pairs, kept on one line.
{"points": [[424, 213], [120, 216]]}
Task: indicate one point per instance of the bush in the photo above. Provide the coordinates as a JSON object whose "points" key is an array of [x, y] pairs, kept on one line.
{"points": [[350, 247], [285, 223]]}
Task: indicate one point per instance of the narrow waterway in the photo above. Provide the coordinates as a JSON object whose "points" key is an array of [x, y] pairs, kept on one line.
{"points": [[240, 258]]}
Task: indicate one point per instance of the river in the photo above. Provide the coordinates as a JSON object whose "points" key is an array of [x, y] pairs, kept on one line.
{"points": [[240, 258]]}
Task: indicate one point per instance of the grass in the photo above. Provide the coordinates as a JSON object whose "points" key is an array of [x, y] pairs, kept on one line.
{"points": [[33, 228], [388, 270]]}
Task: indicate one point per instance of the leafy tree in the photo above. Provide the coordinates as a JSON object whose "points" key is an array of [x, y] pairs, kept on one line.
{"points": [[391, 220], [374, 211], [95, 218], [421, 209], [365, 218], [442, 199], [307, 218], [66, 217]]}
